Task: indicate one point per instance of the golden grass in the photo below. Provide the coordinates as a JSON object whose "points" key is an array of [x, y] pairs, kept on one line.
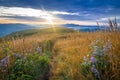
{"points": [[70, 53], [69, 49]]}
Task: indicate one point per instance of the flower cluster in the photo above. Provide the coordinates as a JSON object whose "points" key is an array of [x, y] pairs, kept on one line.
{"points": [[4, 62], [97, 59], [95, 71]]}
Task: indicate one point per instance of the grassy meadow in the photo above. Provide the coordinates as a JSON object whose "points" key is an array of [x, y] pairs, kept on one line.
{"points": [[60, 54]]}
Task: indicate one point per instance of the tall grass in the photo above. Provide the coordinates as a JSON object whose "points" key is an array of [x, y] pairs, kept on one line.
{"points": [[60, 56], [71, 53]]}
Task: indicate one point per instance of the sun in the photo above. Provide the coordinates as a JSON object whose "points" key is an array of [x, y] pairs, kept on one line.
{"points": [[49, 19]]}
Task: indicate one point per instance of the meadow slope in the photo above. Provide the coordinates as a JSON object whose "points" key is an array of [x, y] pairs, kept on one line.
{"points": [[59, 54]]}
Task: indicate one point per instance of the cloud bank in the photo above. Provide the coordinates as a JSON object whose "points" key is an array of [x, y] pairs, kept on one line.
{"points": [[40, 16], [8, 14], [29, 12]]}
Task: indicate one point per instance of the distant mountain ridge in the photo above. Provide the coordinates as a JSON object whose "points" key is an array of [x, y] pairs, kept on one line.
{"points": [[71, 25], [86, 28], [6, 29], [9, 28]]}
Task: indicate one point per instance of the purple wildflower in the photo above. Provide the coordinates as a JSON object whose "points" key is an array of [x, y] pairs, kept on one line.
{"points": [[4, 61], [18, 55], [39, 49], [93, 59], [100, 54], [95, 52], [96, 48], [95, 71]]}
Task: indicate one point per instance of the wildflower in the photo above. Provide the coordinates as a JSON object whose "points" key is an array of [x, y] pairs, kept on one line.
{"points": [[96, 48], [87, 55], [93, 59], [4, 61], [95, 71], [98, 51], [107, 47], [85, 59], [18, 55], [39, 49], [95, 52], [24, 57], [100, 54]]}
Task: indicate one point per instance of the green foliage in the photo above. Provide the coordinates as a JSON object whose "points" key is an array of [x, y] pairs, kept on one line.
{"points": [[47, 45], [28, 67], [6, 50]]}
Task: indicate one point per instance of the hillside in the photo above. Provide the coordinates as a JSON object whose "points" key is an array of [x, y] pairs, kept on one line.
{"points": [[44, 31], [60, 54], [6, 29]]}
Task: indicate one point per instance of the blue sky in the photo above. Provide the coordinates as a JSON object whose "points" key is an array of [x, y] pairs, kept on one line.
{"points": [[82, 12]]}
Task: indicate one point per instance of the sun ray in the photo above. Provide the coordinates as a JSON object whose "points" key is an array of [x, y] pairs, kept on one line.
{"points": [[49, 18]]}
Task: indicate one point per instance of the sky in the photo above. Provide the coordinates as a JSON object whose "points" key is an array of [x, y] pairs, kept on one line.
{"points": [[80, 12]]}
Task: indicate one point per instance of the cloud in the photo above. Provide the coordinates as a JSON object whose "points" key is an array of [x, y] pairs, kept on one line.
{"points": [[78, 22], [106, 18], [56, 22], [12, 15], [30, 12], [64, 13], [18, 21], [19, 11]]}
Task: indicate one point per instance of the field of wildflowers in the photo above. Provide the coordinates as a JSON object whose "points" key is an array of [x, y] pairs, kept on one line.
{"points": [[61, 55]]}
